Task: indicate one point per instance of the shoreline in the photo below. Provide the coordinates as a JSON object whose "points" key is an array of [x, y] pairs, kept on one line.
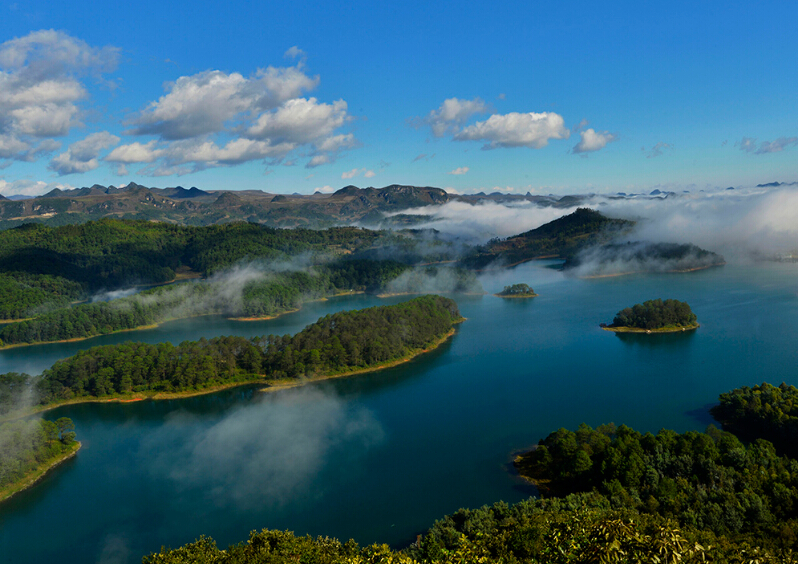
{"points": [[159, 323], [652, 331], [533, 295], [284, 385], [674, 271], [271, 385], [36, 475]]}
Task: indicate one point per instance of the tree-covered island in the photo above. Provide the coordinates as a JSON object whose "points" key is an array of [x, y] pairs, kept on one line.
{"points": [[517, 291], [341, 343], [654, 316]]}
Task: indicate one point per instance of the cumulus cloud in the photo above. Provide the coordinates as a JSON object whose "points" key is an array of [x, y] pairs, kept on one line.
{"points": [[30, 187], [356, 172], [452, 114], [326, 189], [748, 145], [592, 140], [82, 156], [459, 170], [40, 88], [531, 130], [215, 118], [657, 150]]}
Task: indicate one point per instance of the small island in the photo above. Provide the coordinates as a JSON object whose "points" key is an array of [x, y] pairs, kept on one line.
{"points": [[517, 291], [654, 316]]}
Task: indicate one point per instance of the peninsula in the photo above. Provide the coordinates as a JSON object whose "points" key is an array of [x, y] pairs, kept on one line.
{"points": [[346, 342]]}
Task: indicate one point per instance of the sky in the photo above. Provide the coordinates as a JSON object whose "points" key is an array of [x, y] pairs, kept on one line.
{"points": [[540, 97]]}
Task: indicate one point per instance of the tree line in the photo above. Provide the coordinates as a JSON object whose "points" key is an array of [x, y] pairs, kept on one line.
{"points": [[656, 314]]}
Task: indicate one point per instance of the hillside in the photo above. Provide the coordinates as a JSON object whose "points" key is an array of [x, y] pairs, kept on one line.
{"points": [[561, 238], [197, 207]]}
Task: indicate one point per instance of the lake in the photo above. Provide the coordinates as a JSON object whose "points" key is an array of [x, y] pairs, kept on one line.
{"points": [[379, 457]]}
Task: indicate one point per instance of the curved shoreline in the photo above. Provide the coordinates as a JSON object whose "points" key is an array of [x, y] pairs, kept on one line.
{"points": [[271, 385], [533, 295], [652, 331], [631, 272], [36, 475]]}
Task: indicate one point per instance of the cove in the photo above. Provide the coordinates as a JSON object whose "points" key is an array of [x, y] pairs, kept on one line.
{"points": [[378, 457]]}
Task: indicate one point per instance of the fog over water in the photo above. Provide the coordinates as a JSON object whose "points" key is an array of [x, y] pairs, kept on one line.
{"points": [[740, 224]]}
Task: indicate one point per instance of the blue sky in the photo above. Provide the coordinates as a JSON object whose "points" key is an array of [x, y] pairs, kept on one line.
{"points": [[547, 97]]}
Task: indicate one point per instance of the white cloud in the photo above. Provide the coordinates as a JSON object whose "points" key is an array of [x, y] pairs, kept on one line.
{"points": [[452, 114], [356, 172], [40, 89], [327, 189], [29, 187], [748, 145], [459, 170], [215, 119], [593, 140], [82, 156], [135, 153], [531, 130]]}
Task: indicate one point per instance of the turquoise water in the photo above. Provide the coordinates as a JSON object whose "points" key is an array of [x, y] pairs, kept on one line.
{"points": [[379, 457]]}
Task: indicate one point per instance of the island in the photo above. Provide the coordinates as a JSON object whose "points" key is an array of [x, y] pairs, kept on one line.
{"points": [[31, 448], [343, 343], [517, 291], [654, 316]]}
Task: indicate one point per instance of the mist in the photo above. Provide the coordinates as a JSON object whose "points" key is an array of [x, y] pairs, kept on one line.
{"points": [[269, 452], [741, 224]]}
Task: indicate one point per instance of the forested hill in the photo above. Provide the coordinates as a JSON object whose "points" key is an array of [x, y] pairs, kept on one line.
{"points": [[338, 343], [562, 238]]}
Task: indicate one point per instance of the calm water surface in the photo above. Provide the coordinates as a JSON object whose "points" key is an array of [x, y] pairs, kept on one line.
{"points": [[379, 457]]}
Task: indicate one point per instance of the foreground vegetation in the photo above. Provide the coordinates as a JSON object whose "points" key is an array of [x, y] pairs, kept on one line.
{"points": [[655, 315], [578, 529], [28, 448], [338, 343]]}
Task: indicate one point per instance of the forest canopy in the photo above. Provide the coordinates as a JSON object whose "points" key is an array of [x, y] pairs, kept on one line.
{"points": [[656, 314]]}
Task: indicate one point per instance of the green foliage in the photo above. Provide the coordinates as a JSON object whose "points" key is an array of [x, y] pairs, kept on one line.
{"points": [[705, 480], [655, 314], [27, 444], [764, 411], [341, 342], [517, 290], [579, 529]]}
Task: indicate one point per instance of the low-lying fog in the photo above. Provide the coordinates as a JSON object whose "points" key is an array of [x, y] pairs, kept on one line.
{"points": [[740, 224]]}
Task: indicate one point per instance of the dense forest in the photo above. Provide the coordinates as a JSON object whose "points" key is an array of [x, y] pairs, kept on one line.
{"points": [[577, 529], [708, 480], [337, 343], [40, 264], [247, 294], [766, 411], [517, 291], [656, 314], [27, 444], [641, 256]]}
